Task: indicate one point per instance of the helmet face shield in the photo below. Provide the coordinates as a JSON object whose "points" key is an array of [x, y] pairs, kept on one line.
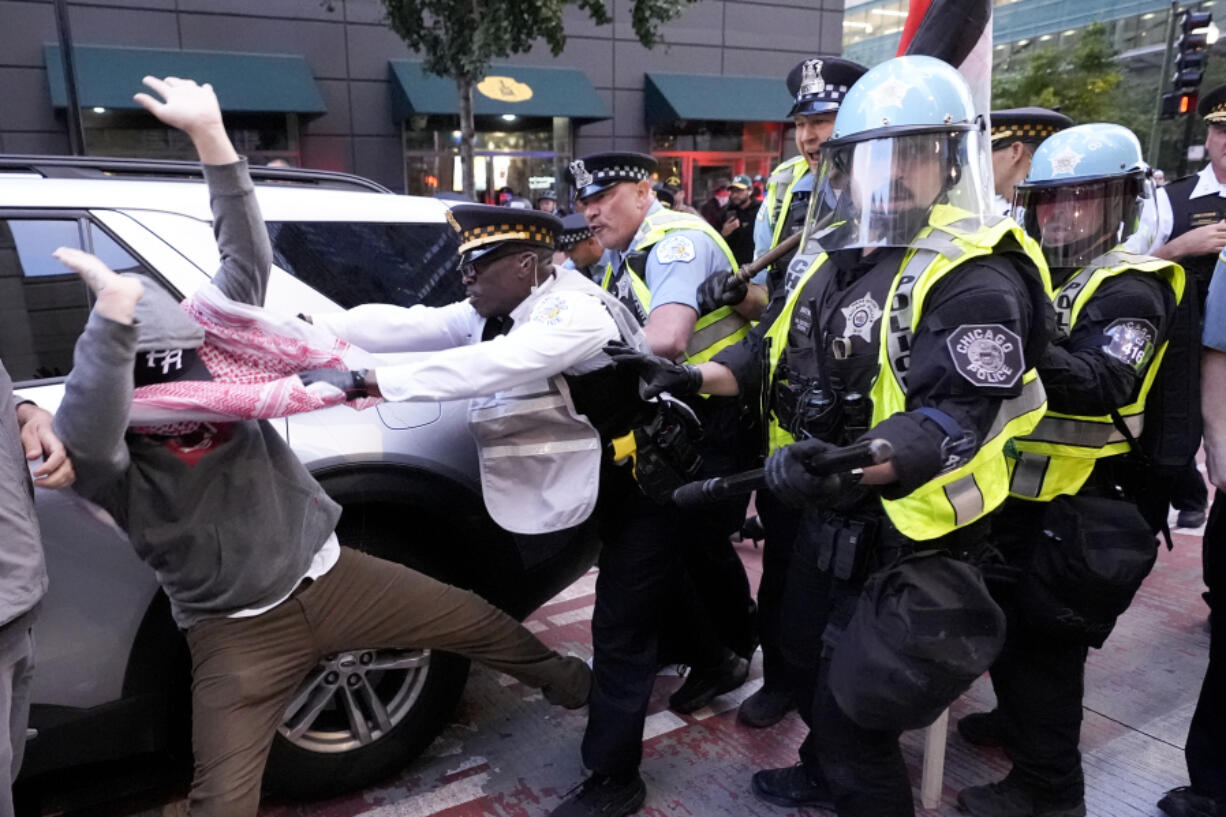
{"points": [[884, 189], [1075, 223]]}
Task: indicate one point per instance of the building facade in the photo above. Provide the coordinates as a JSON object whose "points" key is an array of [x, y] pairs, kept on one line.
{"points": [[327, 84], [1136, 28]]}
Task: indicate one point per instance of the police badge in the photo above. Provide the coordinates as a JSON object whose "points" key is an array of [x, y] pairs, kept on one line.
{"points": [[582, 177], [811, 78]]}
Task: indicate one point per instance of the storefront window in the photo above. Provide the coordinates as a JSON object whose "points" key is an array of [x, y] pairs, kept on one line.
{"points": [[762, 137], [527, 155], [135, 134]]}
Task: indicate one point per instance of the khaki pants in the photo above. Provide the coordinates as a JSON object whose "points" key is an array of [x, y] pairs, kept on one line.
{"points": [[244, 671]]}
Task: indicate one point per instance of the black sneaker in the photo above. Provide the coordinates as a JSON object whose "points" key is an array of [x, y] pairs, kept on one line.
{"points": [[1008, 798], [766, 707], [983, 728], [703, 685], [791, 786], [604, 796], [1183, 802]]}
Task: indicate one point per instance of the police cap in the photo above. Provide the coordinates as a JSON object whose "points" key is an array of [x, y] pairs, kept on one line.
{"points": [[574, 231], [665, 194], [485, 227], [1212, 107], [1029, 125], [818, 85], [596, 172]]}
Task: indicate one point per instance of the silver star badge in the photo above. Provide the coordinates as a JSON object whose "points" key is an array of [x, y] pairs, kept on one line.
{"points": [[859, 317], [582, 177], [1065, 162], [890, 93]]}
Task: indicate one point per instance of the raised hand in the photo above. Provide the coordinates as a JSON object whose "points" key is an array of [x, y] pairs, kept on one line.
{"points": [[193, 109], [116, 294]]}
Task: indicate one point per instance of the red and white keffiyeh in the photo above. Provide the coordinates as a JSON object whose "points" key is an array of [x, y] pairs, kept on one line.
{"points": [[254, 356]]}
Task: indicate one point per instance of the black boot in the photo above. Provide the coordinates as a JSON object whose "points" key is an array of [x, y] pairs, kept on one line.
{"points": [[983, 728], [604, 796], [703, 685], [1009, 798], [766, 707], [791, 787], [1183, 802]]}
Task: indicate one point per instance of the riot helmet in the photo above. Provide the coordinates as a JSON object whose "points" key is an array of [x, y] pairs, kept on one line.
{"points": [[906, 140], [1084, 193]]}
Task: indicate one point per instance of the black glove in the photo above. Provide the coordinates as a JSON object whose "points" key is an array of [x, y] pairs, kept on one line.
{"points": [[789, 478], [352, 383], [658, 374], [721, 289]]}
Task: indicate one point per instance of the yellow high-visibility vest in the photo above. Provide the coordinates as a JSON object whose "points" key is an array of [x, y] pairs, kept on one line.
{"points": [[713, 331], [964, 494], [1059, 455]]}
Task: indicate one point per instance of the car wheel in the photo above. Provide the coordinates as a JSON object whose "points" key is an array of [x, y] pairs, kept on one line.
{"points": [[360, 716], [363, 714]]}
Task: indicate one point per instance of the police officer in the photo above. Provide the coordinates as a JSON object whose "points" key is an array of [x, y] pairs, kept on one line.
{"points": [[654, 260], [1082, 196], [1016, 132], [1205, 746], [579, 247], [547, 202], [1191, 230], [816, 85], [913, 320]]}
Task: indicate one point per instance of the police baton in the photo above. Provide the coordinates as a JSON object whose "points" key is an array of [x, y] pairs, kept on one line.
{"points": [[832, 461], [770, 256]]}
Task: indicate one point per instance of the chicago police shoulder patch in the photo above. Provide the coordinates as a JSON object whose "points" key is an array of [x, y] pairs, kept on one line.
{"points": [[675, 248], [1131, 341], [986, 354], [552, 310]]}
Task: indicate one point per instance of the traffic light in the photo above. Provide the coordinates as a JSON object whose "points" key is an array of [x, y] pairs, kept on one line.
{"points": [[1177, 104], [1189, 64], [1190, 57]]}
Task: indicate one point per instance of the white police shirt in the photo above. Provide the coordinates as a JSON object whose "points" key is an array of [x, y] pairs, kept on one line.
{"points": [[1145, 242], [568, 340]]}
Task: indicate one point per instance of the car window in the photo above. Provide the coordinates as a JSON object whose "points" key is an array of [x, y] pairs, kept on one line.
{"points": [[356, 263], [43, 306]]}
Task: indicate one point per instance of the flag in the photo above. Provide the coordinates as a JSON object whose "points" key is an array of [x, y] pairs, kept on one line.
{"points": [[958, 32]]}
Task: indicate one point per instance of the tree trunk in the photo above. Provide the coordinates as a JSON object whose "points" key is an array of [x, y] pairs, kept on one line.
{"points": [[467, 133]]}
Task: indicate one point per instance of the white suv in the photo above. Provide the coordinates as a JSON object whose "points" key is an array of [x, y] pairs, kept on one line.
{"points": [[112, 669]]}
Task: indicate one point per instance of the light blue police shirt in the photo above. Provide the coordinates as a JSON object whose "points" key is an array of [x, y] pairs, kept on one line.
{"points": [[1215, 308], [676, 265]]}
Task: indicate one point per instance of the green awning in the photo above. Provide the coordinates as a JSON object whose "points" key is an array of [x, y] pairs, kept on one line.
{"points": [[107, 77], [506, 89], [670, 97]]}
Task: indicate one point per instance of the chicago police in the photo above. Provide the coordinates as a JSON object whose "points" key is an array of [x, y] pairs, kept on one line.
{"points": [[654, 261], [816, 85], [1016, 132], [1082, 197], [1205, 746], [914, 320], [579, 247], [1191, 230]]}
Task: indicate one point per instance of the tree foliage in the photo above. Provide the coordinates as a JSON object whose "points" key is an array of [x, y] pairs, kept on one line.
{"points": [[460, 38], [1080, 81]]}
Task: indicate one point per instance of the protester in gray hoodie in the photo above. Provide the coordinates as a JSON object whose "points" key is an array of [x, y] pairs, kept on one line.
{"points": [[239, 533], [25, 434]]}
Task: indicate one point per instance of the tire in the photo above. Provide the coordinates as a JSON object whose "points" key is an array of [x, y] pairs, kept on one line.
{"points": [[361, 716]]}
